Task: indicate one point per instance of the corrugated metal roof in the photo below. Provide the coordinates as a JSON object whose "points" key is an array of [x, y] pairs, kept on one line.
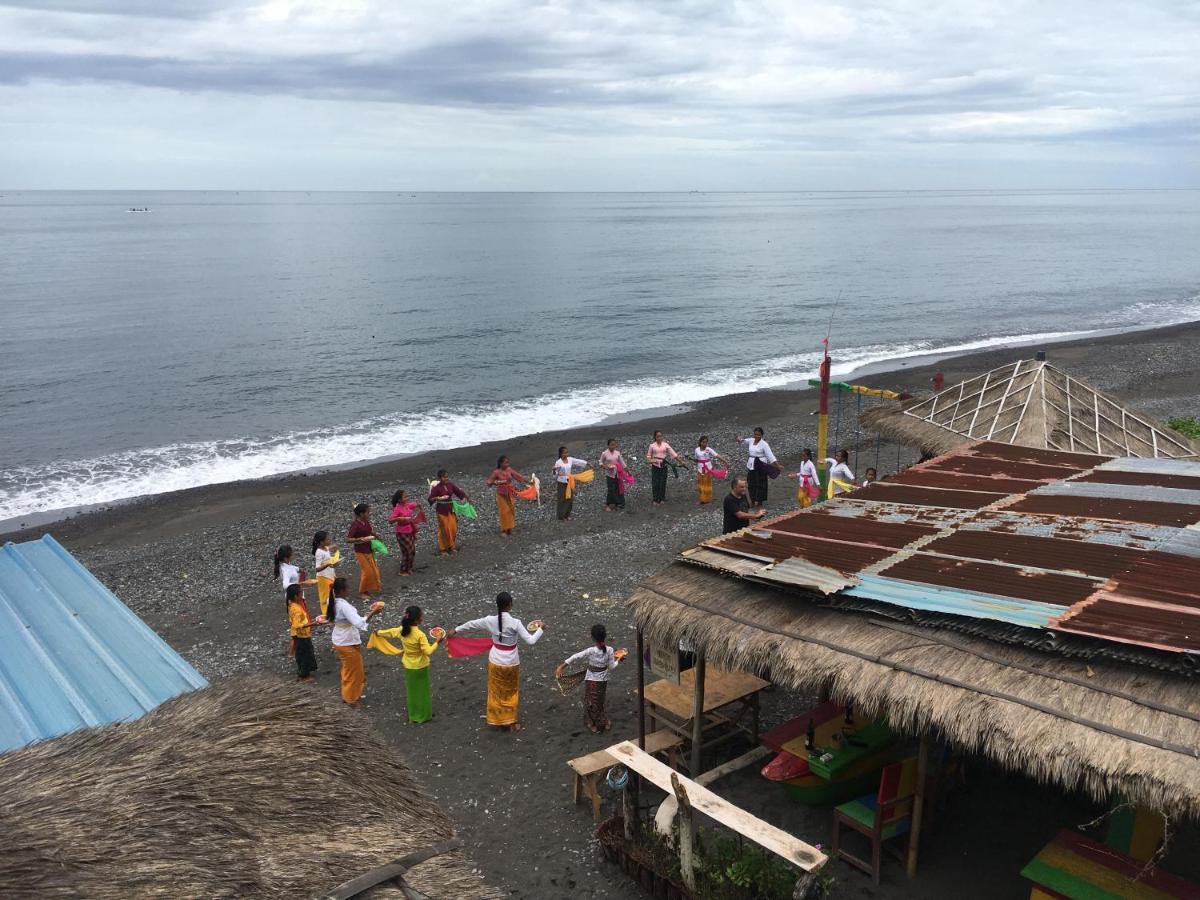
{"points": [[1069, 552], [71, 654]]}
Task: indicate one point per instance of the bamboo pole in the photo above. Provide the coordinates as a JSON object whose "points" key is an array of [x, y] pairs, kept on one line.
{"points": [[918, 810], [823, 424], [641, 684]]}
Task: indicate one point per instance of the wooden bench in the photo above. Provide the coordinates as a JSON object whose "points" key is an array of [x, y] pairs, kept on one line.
{"points": [[588, 769]]}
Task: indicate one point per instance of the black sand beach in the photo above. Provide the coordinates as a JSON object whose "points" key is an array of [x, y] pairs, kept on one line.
{"points": [[195, 565]]}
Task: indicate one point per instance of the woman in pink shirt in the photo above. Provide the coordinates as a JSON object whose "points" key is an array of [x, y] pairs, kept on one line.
{"points": [[657, 455], [610, 458], [406, 516]]}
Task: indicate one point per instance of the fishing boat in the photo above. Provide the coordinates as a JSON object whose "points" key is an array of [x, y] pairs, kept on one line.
{"points": [[826, 756]]}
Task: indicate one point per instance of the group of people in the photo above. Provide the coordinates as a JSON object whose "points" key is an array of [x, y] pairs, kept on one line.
{"points": [[503, 631]]}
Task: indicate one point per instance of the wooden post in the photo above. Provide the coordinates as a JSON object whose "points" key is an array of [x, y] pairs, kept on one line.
{"points": [[629, 806], [697, 715], [686, 834], [914, 838], [641, 683]]}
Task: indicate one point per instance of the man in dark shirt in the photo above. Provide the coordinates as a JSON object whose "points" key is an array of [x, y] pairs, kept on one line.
{"points": [[737, 507]]}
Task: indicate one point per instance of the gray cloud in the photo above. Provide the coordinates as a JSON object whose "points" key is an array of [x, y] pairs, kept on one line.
{"points": [[899, 82]]}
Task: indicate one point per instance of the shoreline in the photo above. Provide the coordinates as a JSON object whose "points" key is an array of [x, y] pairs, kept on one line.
{"points": [[903, 373]]}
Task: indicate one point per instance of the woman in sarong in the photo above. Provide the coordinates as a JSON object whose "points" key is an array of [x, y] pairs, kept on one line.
{"points": [[347, 641], [841, 477], [808, 480], [564, 466], [760, 461], [504, 660], [600, 659], [415, 660], [657, 455], [704, 456], [611, 463], [360, 535], [502, 479], [442, 496], [407, 517]]}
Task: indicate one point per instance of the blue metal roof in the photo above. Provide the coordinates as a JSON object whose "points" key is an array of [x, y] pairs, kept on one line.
{"points": [[71, 654], [972, 604]]}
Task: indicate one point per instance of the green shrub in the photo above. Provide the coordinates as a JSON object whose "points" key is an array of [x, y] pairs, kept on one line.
{"points": [[1187, 425]]}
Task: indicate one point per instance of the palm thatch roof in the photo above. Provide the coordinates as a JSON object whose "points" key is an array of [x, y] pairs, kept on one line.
{"points": [[249, 788], [1100, 727], [1031, 404]]}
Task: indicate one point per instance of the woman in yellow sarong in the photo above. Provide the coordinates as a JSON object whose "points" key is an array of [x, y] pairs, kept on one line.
{"points": [[502, 479], [504, 660], [704, 456]]}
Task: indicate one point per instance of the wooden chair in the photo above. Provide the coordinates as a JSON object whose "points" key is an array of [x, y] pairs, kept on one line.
{"points": [[880, 817], [589, 769]]}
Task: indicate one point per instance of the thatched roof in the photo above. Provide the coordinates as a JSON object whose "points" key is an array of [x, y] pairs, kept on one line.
{"points": [[1031, 404], [250, 788], [1101, 727]]}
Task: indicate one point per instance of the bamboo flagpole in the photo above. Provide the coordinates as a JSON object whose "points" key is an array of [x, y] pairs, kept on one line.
{"points": [[823, 421]]}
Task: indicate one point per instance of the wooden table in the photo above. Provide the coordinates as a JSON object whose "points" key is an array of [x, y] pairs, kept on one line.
{"points": [[670, 705], [1075, 867]]}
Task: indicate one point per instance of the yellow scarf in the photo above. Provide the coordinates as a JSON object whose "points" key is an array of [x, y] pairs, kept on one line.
{"points": [[581, 478]]}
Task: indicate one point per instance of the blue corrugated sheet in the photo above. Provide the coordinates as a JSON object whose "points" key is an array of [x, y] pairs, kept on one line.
{"points": [[71, 654], [934, 598]]}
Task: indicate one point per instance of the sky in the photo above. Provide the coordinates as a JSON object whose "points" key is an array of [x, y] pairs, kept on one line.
{"points": [[606, 95]]}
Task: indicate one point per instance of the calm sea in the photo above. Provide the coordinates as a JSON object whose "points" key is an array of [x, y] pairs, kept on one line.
{"points": [[222, 336]]}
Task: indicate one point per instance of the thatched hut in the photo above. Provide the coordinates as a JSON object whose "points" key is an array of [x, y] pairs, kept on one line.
{"points": [[1101, 727], [249, 788], [1031, 404]]}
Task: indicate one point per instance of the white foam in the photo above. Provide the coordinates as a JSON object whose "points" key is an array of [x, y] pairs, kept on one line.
{"points": [[122, 476]]}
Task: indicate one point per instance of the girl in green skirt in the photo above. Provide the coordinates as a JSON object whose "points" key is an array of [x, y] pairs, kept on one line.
{"points": [[417, 651]]}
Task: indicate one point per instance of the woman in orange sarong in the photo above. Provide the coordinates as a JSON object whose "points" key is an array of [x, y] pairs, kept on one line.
{"points": [[442, 496], [502, 479], [347, 641], [504, 660], [360, 535]]}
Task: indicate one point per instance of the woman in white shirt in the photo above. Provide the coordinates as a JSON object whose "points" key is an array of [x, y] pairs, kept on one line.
{"points": [[504, 660], [808, 480], [704, 456], [564, 467], [348, 626], [841, 479], [760, 463], [600, 660]]}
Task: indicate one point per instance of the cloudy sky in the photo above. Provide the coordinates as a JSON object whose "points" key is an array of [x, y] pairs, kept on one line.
{"points": [[599, 94]]}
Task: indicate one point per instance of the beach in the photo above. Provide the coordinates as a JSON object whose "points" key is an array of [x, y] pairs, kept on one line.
{"points": [[195, 565]]}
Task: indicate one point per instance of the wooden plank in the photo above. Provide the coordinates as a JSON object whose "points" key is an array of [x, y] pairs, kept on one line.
{"points": [[600, 760], [704, 801], [390, 872], [720, 689]]}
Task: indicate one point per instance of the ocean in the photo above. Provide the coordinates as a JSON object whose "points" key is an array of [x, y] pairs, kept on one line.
{"points": [[219, 336]]}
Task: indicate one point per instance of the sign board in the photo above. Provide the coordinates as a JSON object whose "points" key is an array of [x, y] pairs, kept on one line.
{"points": [[664, 662]]}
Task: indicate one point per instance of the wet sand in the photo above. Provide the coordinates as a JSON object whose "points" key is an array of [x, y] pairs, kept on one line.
{"points": [[195, 565]]}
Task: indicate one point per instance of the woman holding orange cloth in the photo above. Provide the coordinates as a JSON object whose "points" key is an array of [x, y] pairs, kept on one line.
{"points": [[502, 479], [348, 626], [360, 535]]}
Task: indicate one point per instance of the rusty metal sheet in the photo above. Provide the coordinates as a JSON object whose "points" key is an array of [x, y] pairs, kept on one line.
{"points": [[1151, 512], [957, 481], [920, 496], [990, 578], [1094, 560], [860, 531], [1002, 468], [844, 557], [1015, 453], [1109, 617], [1157, 479]]}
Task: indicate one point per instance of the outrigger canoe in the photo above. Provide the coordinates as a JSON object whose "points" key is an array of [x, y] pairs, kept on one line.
{"points": [[845, 762]]}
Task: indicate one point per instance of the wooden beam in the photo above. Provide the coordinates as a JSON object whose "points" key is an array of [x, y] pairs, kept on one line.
{"points": [[721, 811], [389, 872], [918, 810], [641, 688], [687, 834], [698, 714]]}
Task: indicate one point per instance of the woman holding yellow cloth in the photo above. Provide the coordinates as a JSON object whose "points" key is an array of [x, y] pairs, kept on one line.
{"points": [[564, 474], [415, 659]]}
